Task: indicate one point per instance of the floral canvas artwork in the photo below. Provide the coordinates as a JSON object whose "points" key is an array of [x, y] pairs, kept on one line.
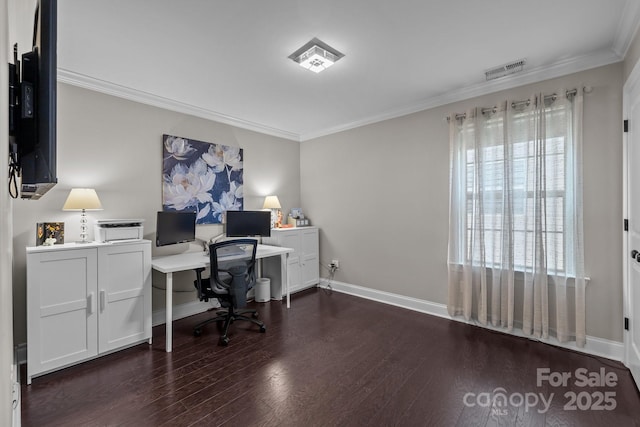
{"points": [[202, 177]]}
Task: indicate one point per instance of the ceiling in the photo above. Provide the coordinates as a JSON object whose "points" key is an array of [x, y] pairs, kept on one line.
{"points": [[226, 60]]}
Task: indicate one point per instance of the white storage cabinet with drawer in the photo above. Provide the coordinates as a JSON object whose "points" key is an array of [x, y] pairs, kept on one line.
{"points": [[85, 300], [303, 263]]}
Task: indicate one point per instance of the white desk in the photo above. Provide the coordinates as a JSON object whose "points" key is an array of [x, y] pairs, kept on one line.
{"points": [[192, 260]]}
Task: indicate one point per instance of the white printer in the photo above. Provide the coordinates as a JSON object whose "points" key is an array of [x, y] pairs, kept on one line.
{"points": [[110, 230]]}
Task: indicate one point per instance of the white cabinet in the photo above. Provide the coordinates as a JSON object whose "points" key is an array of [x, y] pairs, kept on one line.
{"points": [[62, 320], [303, 263], [124, 295], [84, 300]]}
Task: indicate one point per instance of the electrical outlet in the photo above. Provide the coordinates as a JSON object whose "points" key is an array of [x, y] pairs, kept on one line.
{"points": [[335, 263]]}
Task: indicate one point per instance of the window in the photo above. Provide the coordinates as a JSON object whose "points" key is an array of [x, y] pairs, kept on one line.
{"points": [[516, 206], [515, 167]]}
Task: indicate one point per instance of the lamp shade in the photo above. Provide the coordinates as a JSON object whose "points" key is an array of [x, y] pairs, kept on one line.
{"points": [[82, 198], [271, 202]]}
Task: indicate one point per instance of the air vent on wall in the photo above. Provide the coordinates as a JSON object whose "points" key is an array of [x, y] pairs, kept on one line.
{"points": [[505, 70]]}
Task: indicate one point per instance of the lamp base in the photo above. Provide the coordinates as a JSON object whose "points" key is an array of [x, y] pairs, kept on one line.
{"points": [[83, 227]]}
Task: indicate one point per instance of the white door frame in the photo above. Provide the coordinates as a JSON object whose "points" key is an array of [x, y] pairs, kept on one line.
{"points": [[631, 88]]}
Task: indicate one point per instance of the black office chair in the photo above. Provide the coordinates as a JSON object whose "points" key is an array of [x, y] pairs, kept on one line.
{"points": [[233, 273]]}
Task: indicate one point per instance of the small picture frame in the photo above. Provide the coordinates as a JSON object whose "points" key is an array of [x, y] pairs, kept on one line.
{"points": [[49, 233]]}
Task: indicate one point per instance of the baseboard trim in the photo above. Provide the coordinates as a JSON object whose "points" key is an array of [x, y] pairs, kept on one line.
{"points": [[595, 346], [414, 304], [181, 311]]}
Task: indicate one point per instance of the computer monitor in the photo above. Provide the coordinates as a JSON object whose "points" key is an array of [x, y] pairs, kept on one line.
{"points": [[248, 223], [175, 227]]}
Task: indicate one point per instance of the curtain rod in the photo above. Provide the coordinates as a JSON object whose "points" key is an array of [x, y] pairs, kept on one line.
{"points": [[552, 97]]}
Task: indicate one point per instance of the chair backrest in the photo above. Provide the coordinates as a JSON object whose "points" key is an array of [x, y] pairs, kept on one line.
{"points": [[233, 266]]}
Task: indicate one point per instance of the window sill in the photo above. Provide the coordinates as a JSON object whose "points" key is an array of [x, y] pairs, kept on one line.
{"points": [[519, 275]]}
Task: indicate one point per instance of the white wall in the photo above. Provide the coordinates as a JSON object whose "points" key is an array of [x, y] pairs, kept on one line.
{"points": [[115, 146], [6, 321], [632, 56], [380, 195], [16, 21]]}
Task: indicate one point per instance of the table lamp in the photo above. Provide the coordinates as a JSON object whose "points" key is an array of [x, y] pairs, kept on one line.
{"points": [[272, 202], [82, 199]]}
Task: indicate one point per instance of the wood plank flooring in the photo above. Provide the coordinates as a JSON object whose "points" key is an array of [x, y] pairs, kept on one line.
{"points": [[333, 360]]}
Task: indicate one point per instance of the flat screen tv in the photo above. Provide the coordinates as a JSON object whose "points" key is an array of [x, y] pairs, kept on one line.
{"points": [[175, 227], [32, 111], [248, 223]]}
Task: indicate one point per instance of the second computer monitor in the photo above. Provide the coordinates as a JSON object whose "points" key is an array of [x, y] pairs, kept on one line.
{"points": [[248, 223], [175, 227]]}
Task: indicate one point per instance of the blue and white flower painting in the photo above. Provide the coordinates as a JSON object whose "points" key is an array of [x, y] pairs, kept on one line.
{"points": [[202, 177]]}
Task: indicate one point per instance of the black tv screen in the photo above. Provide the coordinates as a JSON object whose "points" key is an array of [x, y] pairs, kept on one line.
{"points": [[36, 108], [248, 223], [175, 227]]}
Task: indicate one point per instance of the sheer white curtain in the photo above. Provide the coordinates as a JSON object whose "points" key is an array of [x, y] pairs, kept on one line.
{"points": [[515, 230]]}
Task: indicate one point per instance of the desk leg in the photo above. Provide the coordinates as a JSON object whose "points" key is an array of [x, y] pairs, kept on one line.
{"points": [[284, 273], [169, 311]]}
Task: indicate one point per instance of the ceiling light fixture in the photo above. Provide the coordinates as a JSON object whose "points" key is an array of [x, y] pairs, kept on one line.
{"points": [[316, 56]]}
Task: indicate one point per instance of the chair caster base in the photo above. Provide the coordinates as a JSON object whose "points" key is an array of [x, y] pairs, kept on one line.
{"points": [[197, 332], [224, 341], [263, 329]]}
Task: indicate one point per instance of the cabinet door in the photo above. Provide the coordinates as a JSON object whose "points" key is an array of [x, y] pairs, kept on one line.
{"points": [[291, 239], [309, 258], [303, 264], [61, 308], [124, 295]]}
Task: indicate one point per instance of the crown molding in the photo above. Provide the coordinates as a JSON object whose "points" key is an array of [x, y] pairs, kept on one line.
{"points": [[627, 27], [562, 68], [103, 86], [559, 69]]}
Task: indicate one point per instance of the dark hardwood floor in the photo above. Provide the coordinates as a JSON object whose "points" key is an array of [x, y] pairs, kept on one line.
{"points": [[333, 359]]}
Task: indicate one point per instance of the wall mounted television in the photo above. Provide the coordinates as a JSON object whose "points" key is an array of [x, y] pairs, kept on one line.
{"points": [[32, 108], [174, 227], [248, 223]]}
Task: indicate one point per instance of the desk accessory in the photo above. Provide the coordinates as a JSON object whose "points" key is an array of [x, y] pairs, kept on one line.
{"points": [[82, 199], [49, 233], [297, 219], [112, 230], [272, 202]]}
